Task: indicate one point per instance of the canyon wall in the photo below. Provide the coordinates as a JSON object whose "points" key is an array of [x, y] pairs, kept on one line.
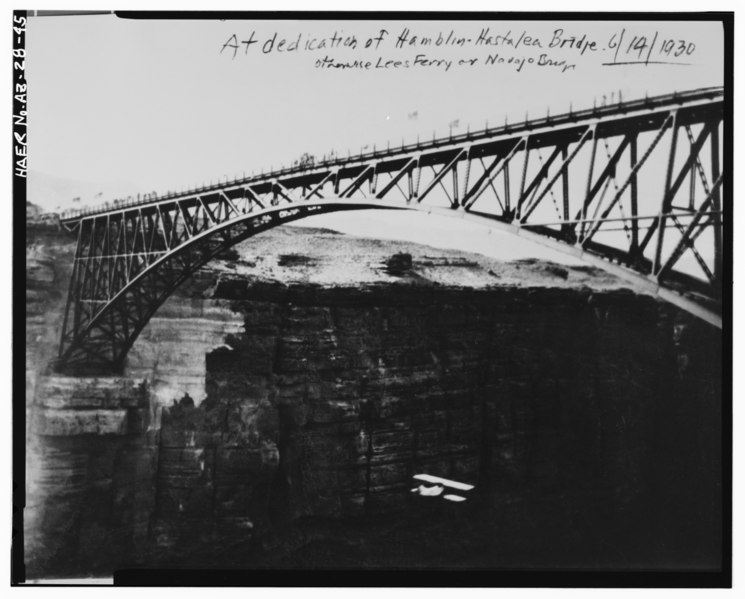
{"points": [[268, 420]]}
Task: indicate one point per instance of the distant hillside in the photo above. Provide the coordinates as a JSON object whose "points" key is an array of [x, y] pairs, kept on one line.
{"points": [[32, 210]]}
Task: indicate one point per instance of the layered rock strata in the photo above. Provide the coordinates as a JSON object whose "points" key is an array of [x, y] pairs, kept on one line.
{"points": [[263, 414]]}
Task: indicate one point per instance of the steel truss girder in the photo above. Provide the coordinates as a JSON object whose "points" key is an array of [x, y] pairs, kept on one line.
{"points": [[129, 259]]}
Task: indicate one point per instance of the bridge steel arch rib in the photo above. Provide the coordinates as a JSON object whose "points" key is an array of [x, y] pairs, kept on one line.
{"points": [[634, 187]]}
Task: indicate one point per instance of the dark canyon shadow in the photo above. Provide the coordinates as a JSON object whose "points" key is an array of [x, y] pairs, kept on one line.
{"points": [[588, 422]]}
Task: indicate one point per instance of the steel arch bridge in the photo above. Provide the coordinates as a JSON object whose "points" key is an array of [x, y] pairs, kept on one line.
{"points": [[634, 187]]}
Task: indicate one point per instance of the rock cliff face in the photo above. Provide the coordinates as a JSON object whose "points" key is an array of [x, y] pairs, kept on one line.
{"points": [[275, 410]]}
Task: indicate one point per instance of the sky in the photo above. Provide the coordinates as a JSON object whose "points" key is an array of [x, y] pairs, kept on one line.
{"points": [[157, 105], [119, 107]]}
